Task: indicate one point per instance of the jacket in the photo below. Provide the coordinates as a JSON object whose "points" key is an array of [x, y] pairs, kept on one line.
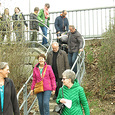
{"points": [[49, 82], [18, 23], [77, 95], [75, 42], [41, 16], [34, 24], [10, 99], [61, 24], [6, 24], [62, 61]]}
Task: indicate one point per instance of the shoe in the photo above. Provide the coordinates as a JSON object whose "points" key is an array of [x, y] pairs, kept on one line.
{"points": [[46, 45], [54, 98]]}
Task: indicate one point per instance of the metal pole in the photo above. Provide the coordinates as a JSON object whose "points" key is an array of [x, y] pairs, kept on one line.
{"points": [[25, 99], [29, 7]]}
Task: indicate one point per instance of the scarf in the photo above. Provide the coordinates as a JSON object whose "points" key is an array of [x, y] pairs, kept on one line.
{"points": [[46, 13]]}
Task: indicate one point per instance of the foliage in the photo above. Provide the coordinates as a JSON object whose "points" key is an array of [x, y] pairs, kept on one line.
{"points": [[100, 66], [15, 54]]}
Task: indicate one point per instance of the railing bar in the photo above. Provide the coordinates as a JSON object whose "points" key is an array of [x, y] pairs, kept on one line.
{"points": [[31, 105]]}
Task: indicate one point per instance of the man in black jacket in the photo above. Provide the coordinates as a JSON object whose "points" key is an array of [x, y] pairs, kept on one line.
{"points": [[34, 24]]}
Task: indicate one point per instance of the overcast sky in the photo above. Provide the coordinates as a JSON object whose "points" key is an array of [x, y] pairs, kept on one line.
{"points": [[55, 5]]}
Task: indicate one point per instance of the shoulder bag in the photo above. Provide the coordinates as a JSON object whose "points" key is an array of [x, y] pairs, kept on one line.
{"points": [[39, 86]]}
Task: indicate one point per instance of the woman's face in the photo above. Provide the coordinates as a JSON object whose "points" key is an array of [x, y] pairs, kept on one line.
{"points": [[65, 81], [46, 8], [16, 10], [41, 60], [4, 72], [6, 11]]}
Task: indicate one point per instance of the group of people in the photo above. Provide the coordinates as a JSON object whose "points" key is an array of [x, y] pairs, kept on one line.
{"points": [[43, 17], [14, 23], [54, 69], [56, 74]]}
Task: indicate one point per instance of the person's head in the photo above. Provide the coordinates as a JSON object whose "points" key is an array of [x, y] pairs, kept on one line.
{"points": [[4, 69], [47, 6], [68, 76], [64, 13], [36, 10], [17, 10], [55, 46], [6, 11], [72, 28], [41, 58]]}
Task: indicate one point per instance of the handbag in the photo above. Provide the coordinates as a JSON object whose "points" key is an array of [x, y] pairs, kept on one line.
{"points": [[39, 86], [59, 107]]}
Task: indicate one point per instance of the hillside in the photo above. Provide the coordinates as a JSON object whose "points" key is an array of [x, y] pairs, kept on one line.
{"points": [[99, 87]]}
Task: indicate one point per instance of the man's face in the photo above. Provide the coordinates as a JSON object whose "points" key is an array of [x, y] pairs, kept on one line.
{"points": [[64, 14], [55, 48], [71, 30]]}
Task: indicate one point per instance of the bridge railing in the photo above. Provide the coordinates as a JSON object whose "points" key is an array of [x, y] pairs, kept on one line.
{"points": [[91, 22]]}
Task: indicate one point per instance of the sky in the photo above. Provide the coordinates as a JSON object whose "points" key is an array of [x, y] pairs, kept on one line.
{"points": [[27, 6]]}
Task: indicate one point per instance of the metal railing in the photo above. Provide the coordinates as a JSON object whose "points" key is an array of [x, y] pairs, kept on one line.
{"points": [[24, 87], [91, 23]]}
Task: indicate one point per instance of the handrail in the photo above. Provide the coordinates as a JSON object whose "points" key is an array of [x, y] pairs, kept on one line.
{"points": [[24, 87]]}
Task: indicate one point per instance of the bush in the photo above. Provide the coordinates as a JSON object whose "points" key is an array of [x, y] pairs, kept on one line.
{"points": [[15, 55]]}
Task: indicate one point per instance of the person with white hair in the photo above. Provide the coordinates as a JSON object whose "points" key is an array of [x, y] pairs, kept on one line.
{"points": [[73, 92], [59, 61]]}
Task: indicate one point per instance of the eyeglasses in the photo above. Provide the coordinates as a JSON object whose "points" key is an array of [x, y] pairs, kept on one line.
{"points": [[41, 59], [64, 79]]}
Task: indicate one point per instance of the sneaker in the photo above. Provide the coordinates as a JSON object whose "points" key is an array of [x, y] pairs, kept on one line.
{"points": [[54, 98], [46, 45]]}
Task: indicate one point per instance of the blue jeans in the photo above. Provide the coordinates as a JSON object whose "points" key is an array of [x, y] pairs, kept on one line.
{"points": [[44, 30], [72, 57], [43, 101]]}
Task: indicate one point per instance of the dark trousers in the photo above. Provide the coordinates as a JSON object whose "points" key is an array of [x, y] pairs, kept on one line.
{"points": [[59, 84]]}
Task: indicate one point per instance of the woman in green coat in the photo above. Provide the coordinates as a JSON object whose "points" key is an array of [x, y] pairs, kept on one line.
{"points": [[43, 16], [74, 92]]}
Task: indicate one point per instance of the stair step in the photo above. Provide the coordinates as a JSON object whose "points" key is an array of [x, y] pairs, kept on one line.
{"points": [[52, 103]]}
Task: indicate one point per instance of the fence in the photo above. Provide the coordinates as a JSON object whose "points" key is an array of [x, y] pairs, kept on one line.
{"points": [[91, 23]]}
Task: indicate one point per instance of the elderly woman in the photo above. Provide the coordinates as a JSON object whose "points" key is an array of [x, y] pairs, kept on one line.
{"points": [[44, 72], [74, 92], [8, 99]]}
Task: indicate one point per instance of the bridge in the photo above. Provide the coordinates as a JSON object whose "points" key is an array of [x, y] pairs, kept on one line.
{"points": [[91, 23]]}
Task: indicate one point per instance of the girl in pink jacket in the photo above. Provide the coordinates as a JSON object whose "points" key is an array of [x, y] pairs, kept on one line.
{"points": [[44, 72]]}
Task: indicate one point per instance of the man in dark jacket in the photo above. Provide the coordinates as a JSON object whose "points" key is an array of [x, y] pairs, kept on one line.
{"points": [[59, 62], [75, 44], [34, 24], [61, 25]]}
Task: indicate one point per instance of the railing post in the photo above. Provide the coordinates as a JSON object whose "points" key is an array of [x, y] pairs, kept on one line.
{"points": [[78, 70], [25, 99]]}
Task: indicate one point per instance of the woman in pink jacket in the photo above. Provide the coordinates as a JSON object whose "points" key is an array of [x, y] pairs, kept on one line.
{"points": [[49, 83]]}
